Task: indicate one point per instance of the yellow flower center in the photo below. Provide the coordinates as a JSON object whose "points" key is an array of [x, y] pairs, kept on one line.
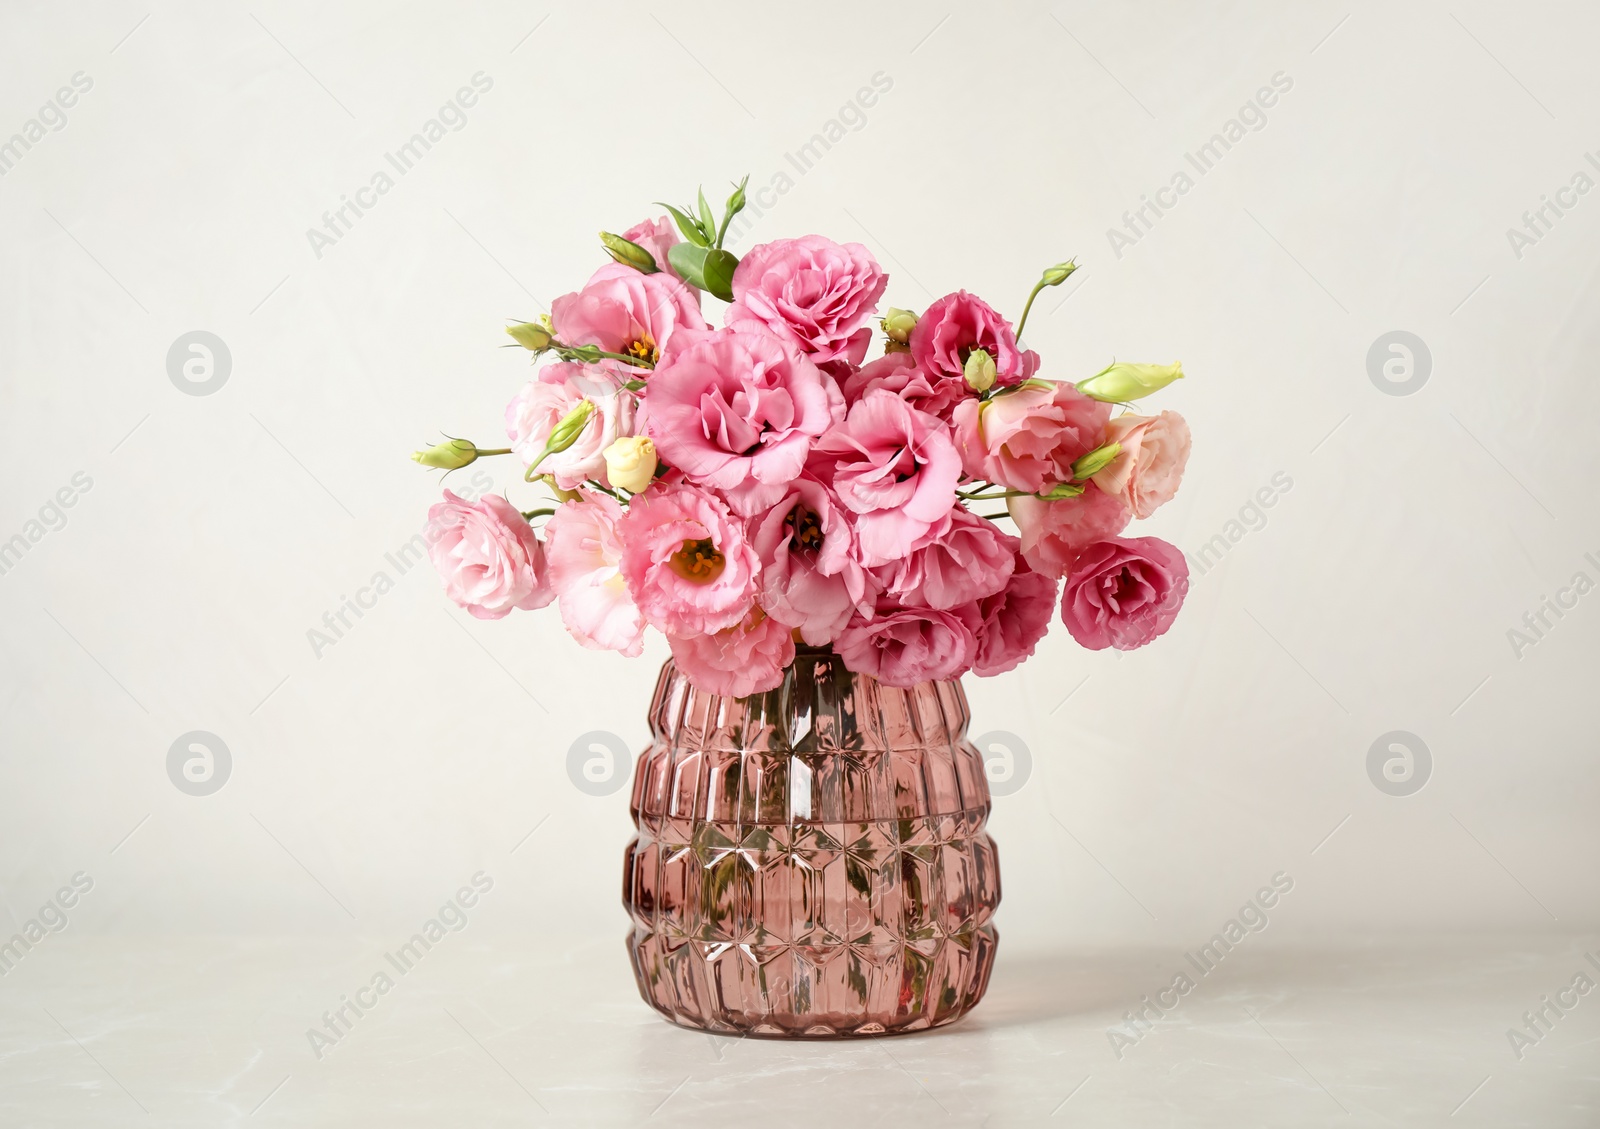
{"points": [[697, 561], [804, 527], [644, 348]]}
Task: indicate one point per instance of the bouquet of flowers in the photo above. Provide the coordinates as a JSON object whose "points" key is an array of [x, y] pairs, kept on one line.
{"points": [[748, 488]]}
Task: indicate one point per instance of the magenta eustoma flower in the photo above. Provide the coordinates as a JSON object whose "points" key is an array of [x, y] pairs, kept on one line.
{"points": [[945, 337], [895, 468], [1124, 592], [738, 411]]}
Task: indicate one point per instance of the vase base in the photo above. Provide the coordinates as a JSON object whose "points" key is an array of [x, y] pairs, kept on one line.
{"points": [[800, 992]]}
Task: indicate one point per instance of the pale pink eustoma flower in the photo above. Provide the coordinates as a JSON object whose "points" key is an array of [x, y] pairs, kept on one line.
{"points": [[1155, 451], [738, 411], [1010, 623], [813, 292], [686, 560], [585, 555], [1028, 439], [902, 647], [544, 401], [1053, 533], [487, 555], [747, 658], [968, 560], [810, 577], [623, 311], [895, 468], [1124, 592]]}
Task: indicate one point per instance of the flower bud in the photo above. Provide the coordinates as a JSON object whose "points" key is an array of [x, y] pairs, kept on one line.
{"points": [[979, 371], [629, 254], [630, 463], [1062, 490], [898, 324], [549, 481], [1095, 461], [531, 335], [1118, 383], [1056, 275], [451, 455], [563, 435]]}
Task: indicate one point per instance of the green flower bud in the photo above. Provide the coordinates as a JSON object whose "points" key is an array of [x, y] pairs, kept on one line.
{"points": [[1119, 383], [1095, 461], [1056, 275], [629, 254], [979, 371], [531, 336], [563, 435], [452, 455], [1062, 490], [898, 324]]}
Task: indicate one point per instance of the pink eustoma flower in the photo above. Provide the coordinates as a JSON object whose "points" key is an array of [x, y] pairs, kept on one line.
{"points": [[544, 401], [747, 658], [813, 292], [903, 647], [895, 468], [738, 411], [1124, 592], [897, 373], [686, 560], [623, 311], [1010, 623], [1054, 533], [969, 559], [1029, 438], [487, 556], [810, 577], [585, 555]]}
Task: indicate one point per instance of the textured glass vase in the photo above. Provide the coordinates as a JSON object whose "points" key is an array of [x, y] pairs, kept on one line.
{"points": [[811, 861]]}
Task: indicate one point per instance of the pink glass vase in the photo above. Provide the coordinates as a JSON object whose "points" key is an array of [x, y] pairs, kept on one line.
{"points": [[811, 861]]}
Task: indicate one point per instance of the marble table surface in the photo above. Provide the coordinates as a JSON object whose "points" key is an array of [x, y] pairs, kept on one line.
{"points": [[491, 1031]]}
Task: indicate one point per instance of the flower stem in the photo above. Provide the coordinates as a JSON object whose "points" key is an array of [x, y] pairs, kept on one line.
{"points": [[1022, 321]]}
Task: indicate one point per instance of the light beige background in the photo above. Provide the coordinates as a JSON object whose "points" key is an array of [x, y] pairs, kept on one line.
{"points": [[370, 780]]}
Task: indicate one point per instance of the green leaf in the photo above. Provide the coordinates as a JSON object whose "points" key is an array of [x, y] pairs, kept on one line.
{"points": [[689, 227], [708, 222], [633, 386], [718, 272], [689, 260]]}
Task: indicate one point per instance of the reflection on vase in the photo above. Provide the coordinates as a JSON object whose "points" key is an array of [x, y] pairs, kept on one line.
{"points": [[811, 861]]}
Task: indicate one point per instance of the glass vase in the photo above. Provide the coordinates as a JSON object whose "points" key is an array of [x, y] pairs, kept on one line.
{"points": [[812, 861]]}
